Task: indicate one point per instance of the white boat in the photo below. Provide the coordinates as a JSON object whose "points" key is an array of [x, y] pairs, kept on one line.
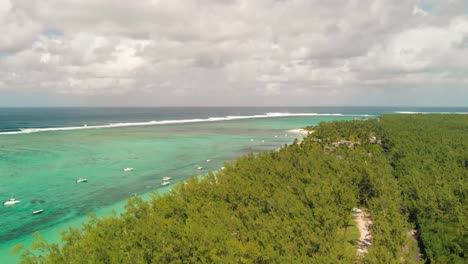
{"points": [[199, 168], [38, 211], [222, 168], [81, 180], [208, 160], [164, 183], [12, 201], [127, 169], [166, 178]]}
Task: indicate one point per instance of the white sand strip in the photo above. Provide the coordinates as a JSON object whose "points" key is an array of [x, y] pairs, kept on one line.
{"points": [[301, 131]]}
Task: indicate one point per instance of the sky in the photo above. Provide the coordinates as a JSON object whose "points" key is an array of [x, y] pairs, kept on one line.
{"points": [[233, 53]]}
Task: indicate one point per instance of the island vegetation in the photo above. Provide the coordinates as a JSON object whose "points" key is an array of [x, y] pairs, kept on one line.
{"points": [[295, 205], [429, 156]]}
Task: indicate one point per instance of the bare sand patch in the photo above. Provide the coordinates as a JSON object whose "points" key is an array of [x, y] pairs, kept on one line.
{"points": [[363, 223], [301, 131]]}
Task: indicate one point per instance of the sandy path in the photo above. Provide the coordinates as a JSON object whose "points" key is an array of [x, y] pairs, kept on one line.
{"points": [[363, 222]]}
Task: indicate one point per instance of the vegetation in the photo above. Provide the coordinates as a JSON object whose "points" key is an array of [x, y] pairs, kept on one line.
{"points": [[294, 205], [430, 161]]}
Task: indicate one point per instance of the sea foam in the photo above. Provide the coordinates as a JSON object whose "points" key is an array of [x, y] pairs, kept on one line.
{"points": [[166, 122]]}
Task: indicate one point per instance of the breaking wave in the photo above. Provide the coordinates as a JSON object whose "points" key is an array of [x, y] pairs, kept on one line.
{"points": [[165, 122]]}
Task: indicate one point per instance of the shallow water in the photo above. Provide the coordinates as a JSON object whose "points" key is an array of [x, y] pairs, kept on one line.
{"points": [[40, 169]]}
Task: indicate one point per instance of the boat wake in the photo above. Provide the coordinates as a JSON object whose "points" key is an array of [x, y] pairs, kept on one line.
{"points": [[182, 121]]}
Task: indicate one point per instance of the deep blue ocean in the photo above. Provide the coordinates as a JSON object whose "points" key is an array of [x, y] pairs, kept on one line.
{"points": [[15, 119]]}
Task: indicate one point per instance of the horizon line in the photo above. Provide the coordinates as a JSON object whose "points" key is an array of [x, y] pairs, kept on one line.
{"points": [[236, 106]]}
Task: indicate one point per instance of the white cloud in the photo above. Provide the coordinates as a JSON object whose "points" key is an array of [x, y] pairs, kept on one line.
{"points": [[17, 28], [418, 11], [237, 49], [425, 49], [270, 89]]}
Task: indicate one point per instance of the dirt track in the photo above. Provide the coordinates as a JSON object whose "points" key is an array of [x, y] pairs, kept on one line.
{"points": [[363, 222]]}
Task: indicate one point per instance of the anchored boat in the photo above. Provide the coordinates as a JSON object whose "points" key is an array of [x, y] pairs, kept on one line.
{"points": [[12, 201], [164, 183], [38, 211]]}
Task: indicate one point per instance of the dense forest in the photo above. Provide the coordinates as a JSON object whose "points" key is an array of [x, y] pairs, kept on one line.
{"points": [[429, 154], [295, 205]]}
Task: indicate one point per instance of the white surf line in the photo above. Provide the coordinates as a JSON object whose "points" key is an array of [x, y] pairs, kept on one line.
{"points": [[182, 121]]}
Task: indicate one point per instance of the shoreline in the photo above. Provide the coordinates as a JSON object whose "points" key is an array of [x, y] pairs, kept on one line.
{"points": [[53, 233], [301, 131]]}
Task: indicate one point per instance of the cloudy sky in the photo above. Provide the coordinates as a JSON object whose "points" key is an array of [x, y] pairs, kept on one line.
{"points": [[233, 52]]}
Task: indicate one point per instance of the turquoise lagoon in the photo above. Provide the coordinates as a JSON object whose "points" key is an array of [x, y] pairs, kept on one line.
{"points": [[40, 169]]}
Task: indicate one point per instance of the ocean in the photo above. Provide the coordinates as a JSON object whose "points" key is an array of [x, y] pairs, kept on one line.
{"points": [[44, 150]]}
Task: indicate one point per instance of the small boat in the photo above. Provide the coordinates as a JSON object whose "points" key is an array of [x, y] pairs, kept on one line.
{"points": [[12, 201], [166, 178], [251, 140], [38, 211], [164, 183], [208, 160], [81, 180], [199, 168], [222, 168], [127, 169]]}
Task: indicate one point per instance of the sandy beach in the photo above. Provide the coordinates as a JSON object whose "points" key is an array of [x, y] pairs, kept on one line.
{"points": [[301, 131]]}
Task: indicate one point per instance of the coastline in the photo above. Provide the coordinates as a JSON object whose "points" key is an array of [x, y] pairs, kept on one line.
{"points": [[259, 198], [52, 232], [301, 131]]}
